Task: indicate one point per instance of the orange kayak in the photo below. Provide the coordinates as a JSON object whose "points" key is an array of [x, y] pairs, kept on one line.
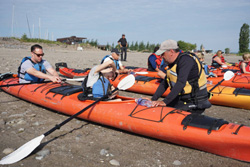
{"points": [[71, 72], [238, 81], [222, 95], [201, 132], [74, 73], [140, 69]]}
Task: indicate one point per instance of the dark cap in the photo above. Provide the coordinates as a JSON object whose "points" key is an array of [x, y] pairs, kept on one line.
{"points": [[123, 34], [115, 50]]}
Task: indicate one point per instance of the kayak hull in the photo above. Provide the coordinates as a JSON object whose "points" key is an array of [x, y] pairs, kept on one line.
{"points": [[163, 123], [222, 95]]}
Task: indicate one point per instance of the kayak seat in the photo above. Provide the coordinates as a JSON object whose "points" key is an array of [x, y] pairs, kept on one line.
{"points": [[202, 121], [225, 70], [241, 91], [144, 78], [66, 90], [80, 71], [131, 67], [61, 64]]}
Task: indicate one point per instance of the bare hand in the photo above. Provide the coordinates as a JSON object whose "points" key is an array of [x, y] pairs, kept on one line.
{"points": [[158, 103]]}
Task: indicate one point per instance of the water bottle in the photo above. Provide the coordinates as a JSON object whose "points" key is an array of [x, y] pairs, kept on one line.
{"points": [[209, 82], [143, 102]]}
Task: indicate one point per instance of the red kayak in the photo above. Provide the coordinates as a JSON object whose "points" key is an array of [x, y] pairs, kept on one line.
{"points": [[222, 95], [201, 132], [238, 81]]}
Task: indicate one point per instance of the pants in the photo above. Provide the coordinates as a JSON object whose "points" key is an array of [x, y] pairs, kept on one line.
{"points": [[123, 49], [190, 106]]}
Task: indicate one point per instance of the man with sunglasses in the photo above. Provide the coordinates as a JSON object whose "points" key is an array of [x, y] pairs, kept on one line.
{"points": [[186, 79], [34, 68]]}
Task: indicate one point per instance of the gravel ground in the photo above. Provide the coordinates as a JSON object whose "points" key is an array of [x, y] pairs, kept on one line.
{"points": [[86, 144]]}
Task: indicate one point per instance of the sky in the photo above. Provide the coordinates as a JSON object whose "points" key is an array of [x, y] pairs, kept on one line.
{"points": [[215, 24]]}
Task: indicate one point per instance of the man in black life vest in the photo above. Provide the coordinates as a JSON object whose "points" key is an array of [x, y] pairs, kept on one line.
{"points": [[123, 44], [186, 79]]}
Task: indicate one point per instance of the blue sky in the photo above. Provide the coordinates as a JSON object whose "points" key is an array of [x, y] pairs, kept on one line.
{"points": [[214, 23]]}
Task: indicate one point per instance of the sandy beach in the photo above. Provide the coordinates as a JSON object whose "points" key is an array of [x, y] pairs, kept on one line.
{"points": [[86, 144]]}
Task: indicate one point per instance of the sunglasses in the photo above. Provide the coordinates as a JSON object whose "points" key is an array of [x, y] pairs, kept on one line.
{"points": [[38, 54]]}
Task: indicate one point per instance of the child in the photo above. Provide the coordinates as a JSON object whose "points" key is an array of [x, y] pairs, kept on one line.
{"points": [[205, 66], [245, 64]]}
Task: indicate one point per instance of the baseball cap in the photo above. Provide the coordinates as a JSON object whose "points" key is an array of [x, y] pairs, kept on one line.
{"points": [[167, 45], [115, 50]]}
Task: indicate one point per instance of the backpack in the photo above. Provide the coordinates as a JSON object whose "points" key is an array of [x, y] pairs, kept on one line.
{"points": [[88, 92]]}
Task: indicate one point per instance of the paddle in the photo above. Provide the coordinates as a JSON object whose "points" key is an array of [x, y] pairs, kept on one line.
{"points": [[27, 148], [139, 73], [76, 79], [227, 76]]}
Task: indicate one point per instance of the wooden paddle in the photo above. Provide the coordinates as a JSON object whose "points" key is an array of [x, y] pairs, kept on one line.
{"points": [[27, 148]]}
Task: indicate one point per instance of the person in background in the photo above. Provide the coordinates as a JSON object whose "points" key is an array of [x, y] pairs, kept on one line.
{"points": [[218, 60], [123, 44], [186, 79], [34, 68], [245, 64], [115, 57], [201, 56], [154, 61]]}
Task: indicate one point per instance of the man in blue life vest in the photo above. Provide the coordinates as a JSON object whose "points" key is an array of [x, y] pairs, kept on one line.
{"points": [[115, 58], [33, 69], [186, 79]]}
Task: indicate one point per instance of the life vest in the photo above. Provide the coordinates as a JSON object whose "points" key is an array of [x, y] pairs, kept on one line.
{"points": [[157, 61], [115, 61], [215, 64], [100, 88], [37, 66], [247, 66], [191, 86]]}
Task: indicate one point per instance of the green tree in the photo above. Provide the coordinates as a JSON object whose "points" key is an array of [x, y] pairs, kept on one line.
{"points": [[136, 45], [141, 46], [227, 50], [24, 37], [244, 38], [108, 47], [185, 46], [132, 47]]}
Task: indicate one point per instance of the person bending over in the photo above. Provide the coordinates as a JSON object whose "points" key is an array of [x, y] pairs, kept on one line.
{"points": [[115, 58], [186, 79]]}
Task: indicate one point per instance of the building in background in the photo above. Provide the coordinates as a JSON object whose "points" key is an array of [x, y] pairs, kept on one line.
{"points": [[71, 40]]}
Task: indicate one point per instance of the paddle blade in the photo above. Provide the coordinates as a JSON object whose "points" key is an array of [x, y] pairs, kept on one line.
{"points": [[22, 151], [127, 82], [141, 73], [75, 79], [228, 75]]}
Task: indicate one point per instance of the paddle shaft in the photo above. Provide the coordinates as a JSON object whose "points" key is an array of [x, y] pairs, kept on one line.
{"points": [[216, 85], [18, 84], [75, 115]]}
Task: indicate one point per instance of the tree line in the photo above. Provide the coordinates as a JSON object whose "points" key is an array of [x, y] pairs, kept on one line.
{"points": [[148, 47]]}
